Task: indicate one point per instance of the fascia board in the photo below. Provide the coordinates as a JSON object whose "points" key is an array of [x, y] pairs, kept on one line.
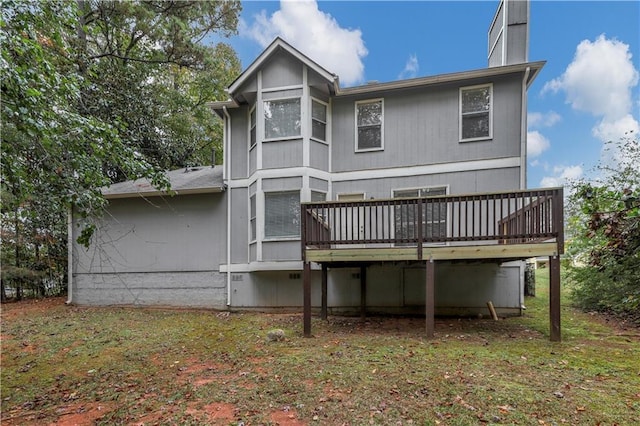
{"points": [[443, 78], [279, 43]]}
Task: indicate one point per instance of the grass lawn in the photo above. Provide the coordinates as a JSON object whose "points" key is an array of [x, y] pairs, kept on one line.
{"points": [[71, 365]]}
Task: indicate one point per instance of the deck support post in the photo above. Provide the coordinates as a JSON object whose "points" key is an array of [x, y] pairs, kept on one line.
{"points": [[554, 298], [363, 292], [306, 313], [323, 309], [430, 298]]}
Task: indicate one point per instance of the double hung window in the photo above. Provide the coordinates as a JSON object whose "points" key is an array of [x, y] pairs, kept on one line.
{"points": [[476, 112], [282, 214], [252, 127], [282, 118], [318, 120], [369, 125], [252, 218]]}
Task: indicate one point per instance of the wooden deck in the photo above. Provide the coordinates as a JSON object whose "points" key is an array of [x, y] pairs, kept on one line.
{"points": [[492, 226]]}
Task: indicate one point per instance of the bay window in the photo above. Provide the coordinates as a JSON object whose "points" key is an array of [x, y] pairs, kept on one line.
{"points": [[282, 118]]}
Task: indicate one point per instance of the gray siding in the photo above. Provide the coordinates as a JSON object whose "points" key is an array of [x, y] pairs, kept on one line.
{"points": [[281, 154], [239, 145], [461, 289], [319, 155], [318, 184], [183, 233], [280, 71], [422, 127], [458, 183], [281, 250], [281, 184], [239, 224]]}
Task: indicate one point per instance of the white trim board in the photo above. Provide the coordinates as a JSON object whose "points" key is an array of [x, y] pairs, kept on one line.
{"points": [[430, 169]]}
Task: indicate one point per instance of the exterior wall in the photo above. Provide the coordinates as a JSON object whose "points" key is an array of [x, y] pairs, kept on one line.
{"points": [[240, 146], [239, 199], [187, 289], [457, 183], [509, 34], [462, 289], [160, 250], [422, 127]]}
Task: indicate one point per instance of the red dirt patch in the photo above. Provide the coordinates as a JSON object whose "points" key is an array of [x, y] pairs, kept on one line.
{"points": [[25, 307], [80, 414], [286, 417], [215, 413]]}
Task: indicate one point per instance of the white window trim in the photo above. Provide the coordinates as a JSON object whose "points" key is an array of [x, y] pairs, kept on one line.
{"points": [[326, 123], [478, 86], [368, 101], [351, 194], [255, 126], [286, 138], [265, 238], [255, 218], [419, 188]]}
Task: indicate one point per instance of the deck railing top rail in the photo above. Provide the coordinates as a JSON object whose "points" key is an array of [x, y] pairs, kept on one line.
{"points": [[524, 216]]}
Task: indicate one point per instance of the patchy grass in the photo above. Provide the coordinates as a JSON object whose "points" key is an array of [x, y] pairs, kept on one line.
{"points": [[73, 365]]}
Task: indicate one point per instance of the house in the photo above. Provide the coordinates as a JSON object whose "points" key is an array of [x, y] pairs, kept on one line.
{"points": [[344, 199]]}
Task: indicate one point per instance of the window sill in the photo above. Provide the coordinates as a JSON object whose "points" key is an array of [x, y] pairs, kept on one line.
{"points": [[280, 239], [288, 138], [484, 138], [319, 141], [369, 150]]}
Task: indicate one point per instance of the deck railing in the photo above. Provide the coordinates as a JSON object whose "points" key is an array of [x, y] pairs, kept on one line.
{"points": [[504, 218]]}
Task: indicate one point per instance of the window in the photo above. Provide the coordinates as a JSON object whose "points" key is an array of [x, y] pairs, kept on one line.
{"points": [[434, 220], [252, 218], [318, 197], [318, 120], [282, 214], [282, 118], [252, 127], [369, 118], [475, 112]]}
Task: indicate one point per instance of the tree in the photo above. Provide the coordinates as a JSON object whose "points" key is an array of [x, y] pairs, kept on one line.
{"points": [[605, 234], [149, 72], [95, 92]]}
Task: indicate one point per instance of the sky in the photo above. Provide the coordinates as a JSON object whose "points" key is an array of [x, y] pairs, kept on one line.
{"points": [[586, 94]]}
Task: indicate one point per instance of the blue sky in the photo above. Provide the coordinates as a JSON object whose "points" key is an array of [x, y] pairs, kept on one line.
{"points": [[587, 93]]}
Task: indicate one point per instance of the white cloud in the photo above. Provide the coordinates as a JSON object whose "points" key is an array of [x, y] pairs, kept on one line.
{"points": [[547, 119], [536, 144], [612, 130], [561, 176], [600, 81], [410, 69], [316, 34]]}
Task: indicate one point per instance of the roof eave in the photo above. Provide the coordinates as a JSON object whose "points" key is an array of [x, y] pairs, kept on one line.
{"points": [[445, 78], [279, 43], [148, 194]]}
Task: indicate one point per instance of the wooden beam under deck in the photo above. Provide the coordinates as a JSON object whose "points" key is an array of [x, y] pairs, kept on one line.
{"points": [[451, 252]]}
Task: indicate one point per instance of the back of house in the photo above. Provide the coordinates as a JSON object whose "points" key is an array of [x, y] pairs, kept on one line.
{"points": [[294, 135]]}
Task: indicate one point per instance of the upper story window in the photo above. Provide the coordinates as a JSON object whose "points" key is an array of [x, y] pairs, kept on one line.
{"points": [[282, 118], [252, 126], [476, 112], [318, 120], [369, 125]]}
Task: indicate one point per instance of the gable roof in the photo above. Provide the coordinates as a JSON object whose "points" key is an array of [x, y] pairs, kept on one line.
{"points": [[280, 44], [192, 180]]}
